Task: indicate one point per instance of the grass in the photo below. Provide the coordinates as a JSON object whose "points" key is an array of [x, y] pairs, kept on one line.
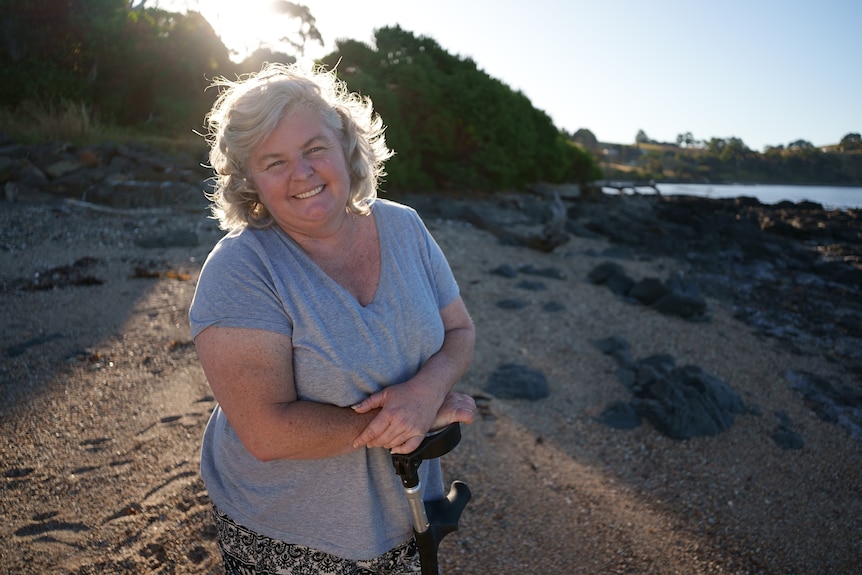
{"points": [[77, 124]]}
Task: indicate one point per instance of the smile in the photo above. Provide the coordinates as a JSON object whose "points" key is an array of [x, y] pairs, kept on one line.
{"points": [[310, 193]]}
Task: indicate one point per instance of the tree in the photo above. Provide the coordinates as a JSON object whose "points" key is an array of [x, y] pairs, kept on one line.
{"points": [[686, 140], [585, 138], [451, 124], [851, 142], [307, 24], [800, 145], [642, 138]]}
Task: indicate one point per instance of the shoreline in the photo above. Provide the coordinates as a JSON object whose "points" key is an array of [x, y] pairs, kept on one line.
{"points": [[104, 402]]}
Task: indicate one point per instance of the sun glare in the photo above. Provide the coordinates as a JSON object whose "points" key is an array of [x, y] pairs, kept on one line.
{"points": [[246, 26]]}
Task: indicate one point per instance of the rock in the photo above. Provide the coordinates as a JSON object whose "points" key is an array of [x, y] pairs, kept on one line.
{"points": [[505, 271], [649, 290], [839, 404], [130, 176], [516, 381], [620, 415], [549, 272], [602, 272], [679, 296], [687, 402], [618, 348], [511, 304], [531, 286], [680, 402], [680, 304]]}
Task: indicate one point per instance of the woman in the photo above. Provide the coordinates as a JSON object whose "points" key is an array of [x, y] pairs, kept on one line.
{"points": [[330, 329]]}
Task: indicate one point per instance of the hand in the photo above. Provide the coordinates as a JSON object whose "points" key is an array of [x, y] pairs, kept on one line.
{"points": [[402, 425], [456, 407]]}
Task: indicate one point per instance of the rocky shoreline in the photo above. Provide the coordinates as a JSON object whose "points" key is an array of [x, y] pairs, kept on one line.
{"points": [[595, 313], [791, 271]]}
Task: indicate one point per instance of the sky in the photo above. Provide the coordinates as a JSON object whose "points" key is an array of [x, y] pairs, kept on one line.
{"points": [[769, 72]]}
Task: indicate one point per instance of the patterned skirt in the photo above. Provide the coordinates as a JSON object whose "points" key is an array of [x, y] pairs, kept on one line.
{"points": [[245, 552]]}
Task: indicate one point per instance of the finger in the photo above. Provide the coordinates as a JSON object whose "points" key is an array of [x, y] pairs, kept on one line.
{"points": [[408, 446], [465, 415], [370, 403], [373, 431]]}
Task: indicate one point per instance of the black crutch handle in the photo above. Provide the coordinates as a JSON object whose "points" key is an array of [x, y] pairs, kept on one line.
{"points": [[433, 446]]}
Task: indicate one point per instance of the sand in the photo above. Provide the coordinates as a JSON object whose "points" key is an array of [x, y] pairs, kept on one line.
{"points": [[104, 405]]}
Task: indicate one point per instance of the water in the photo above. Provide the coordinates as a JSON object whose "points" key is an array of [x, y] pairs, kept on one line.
{"points": [[832, 197]]}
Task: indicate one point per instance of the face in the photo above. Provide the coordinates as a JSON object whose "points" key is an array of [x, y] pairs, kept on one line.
{"points": [[301, 175]]}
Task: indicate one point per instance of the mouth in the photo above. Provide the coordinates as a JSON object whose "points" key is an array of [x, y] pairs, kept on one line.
{"points": [[309, 194]]}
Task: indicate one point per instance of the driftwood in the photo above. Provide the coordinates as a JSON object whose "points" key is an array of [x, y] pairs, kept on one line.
{"points": [[553, 234]]}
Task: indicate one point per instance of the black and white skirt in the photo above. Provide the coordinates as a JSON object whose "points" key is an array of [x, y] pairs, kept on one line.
{"points": [[245, 552]]}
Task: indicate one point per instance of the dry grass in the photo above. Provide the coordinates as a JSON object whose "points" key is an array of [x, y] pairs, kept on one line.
{"points": [[79, 124]]}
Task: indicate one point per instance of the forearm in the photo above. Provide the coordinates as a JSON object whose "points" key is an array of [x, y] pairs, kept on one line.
{"points": [[306, 430], [443, 370]]}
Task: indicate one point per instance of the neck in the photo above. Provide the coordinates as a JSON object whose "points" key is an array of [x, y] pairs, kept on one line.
{"points": [[334, 246]]}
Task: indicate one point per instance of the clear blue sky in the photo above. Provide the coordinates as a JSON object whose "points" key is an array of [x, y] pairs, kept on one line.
{"points": [[767, 71]]}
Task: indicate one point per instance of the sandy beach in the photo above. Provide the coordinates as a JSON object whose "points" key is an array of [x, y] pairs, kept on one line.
{"points": [[104, 405]]}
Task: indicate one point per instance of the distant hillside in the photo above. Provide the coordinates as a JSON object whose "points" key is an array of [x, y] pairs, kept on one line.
{"points": [[730, 161]]}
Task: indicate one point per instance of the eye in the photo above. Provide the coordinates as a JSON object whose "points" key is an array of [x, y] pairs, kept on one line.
{"points": [[274, 164]]}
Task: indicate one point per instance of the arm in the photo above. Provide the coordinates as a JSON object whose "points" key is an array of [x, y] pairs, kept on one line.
{"points": [[410, 409], [251, 374]]}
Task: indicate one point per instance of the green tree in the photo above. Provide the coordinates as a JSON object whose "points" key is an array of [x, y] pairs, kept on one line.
{"points": [[586, 138], [452, 125], [851, 142]]}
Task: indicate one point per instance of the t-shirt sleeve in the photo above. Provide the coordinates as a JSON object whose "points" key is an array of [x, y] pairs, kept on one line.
{"points": [[441, 272], [236, 289]]}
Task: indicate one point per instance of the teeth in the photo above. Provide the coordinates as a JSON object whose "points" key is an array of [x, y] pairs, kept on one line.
{"points": [[310, 193]]}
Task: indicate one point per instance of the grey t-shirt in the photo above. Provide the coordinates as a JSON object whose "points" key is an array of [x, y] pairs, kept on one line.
{"points": [[351, 506]]}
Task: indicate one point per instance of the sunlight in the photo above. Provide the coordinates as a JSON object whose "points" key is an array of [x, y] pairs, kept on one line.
{"points": [[243, 26], [248, 25]]}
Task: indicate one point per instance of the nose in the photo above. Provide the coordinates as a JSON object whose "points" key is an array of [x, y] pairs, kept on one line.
{"points": [[302, 169]]}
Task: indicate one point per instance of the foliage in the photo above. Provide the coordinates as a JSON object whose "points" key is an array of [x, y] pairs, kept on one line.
{"points": [[452, 125], [730, 160], [78, 69], [851, 142]]}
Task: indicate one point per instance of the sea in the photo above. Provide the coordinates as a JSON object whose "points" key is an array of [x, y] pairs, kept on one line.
{"points": [[831, 197]]}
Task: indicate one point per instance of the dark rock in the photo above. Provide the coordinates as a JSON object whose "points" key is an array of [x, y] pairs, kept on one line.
{"points": [[532, 286], [648, 290], [129, 176], [516, 381], [620, 284], [604, 271], [549, 272], [681, 305], [505, 271], [617, 347], [620, 415], [511, 304], [688, 403], [553, 307], [784, 436], [831, 402], [680, 402]]}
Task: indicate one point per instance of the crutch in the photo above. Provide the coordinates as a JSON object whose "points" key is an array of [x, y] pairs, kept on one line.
{"points": [[432, 520]]}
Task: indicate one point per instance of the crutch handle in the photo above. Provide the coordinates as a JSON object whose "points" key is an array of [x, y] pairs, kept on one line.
{"points": [[436, 444]]}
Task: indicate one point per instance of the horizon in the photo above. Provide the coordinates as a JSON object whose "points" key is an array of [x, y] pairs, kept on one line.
{"points": [[768, 72]]}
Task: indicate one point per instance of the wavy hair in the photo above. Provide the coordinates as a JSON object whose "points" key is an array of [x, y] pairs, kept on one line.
{"points": [[249, 109]]}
